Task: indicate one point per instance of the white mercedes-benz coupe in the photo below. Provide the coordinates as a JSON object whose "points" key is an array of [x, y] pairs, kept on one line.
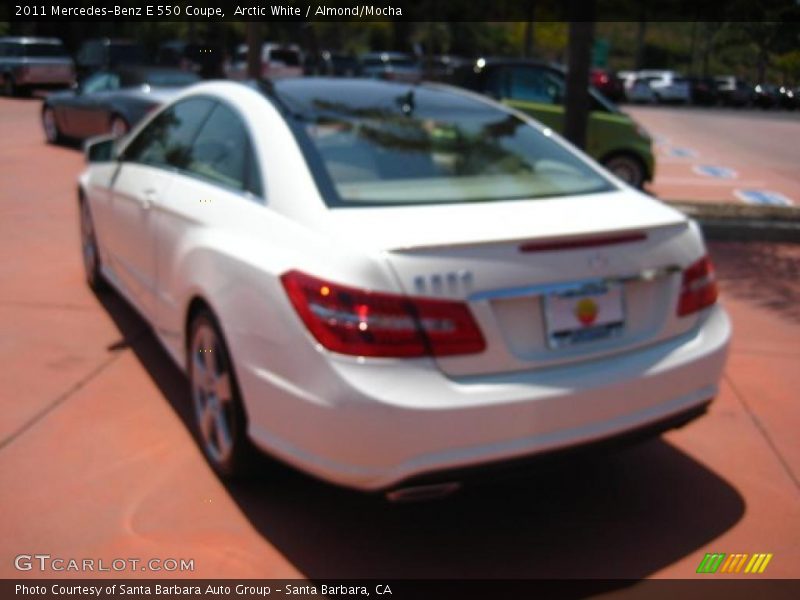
{"points": [[387, 285]]}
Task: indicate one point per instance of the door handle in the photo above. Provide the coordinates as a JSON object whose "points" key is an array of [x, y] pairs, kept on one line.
{"points": [[147, 199]]}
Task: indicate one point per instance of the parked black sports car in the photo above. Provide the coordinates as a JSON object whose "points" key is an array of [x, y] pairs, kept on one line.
{"points": [[110, 101], [703, 91], [766, 95]]}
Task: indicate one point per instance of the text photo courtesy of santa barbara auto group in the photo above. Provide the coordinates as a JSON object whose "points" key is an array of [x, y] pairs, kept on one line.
{"points": [[404, 299]]}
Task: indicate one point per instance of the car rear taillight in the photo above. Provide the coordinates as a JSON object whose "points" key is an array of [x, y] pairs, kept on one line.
{"points": [[699, 287], [365, 323]]}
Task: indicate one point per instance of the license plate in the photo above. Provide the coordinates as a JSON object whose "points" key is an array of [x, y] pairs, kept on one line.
{"points": [[587, 313]]}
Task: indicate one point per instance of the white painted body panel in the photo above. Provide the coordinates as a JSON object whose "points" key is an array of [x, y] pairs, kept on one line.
{"points": [[371, 423]]}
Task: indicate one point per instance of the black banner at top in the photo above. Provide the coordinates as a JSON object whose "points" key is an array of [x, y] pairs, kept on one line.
{"points": [[400, 10]]}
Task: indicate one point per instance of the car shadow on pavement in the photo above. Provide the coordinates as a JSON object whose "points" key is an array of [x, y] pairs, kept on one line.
{"points": [[624, 514], [763, 273]]}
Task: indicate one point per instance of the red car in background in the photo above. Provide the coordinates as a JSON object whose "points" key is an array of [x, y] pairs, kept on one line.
{"points": [[607, 82]]}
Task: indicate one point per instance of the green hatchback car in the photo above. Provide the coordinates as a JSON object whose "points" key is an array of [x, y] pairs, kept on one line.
{"points": [[613, 139]]}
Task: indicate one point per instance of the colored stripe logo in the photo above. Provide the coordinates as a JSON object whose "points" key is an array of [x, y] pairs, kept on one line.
{"points": [[734, 563]]}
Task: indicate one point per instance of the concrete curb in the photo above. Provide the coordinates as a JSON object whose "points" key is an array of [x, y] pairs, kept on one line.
{"points": [[742, 222]]}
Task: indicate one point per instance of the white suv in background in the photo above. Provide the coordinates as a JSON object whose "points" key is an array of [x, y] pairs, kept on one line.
{"points": [[667, 86]]}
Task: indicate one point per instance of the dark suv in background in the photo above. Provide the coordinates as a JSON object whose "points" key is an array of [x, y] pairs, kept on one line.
{"points": [[34, 62], [104, 53], [207, 60]]}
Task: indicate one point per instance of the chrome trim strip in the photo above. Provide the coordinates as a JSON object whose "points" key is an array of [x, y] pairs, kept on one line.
{"points": [[549, 288]]}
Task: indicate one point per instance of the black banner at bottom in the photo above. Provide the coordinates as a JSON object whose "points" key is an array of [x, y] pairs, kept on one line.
{"points": [[403, 589]]}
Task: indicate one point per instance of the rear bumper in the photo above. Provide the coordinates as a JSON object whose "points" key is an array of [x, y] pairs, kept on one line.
{"points": [[374, 425], [517, 467]]}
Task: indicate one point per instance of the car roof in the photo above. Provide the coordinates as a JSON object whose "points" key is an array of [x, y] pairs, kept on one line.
{"points": [[495, 61], [383, 55], [31, 40], [117, 41]]}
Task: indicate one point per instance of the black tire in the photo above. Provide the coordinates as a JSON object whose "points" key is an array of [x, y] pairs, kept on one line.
{"points": [[628, 167], [217, 417], [50, 125], [89, 249]]}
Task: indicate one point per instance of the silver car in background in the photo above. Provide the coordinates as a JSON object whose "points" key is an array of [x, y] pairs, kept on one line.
{"points": [[34, 62], [667, 86]]}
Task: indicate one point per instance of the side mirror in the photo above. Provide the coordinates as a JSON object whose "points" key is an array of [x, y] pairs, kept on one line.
{"points": [[76, 87], [99, 149]]}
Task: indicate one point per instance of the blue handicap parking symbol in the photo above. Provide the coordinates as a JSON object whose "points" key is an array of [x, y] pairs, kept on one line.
{"points": [[763, 197], [682, 153], [716, 172]]}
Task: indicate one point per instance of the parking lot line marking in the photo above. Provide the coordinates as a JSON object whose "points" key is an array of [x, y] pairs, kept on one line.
{"points": [[682, 153], [715, 171], [762, 197], [60, 399]]}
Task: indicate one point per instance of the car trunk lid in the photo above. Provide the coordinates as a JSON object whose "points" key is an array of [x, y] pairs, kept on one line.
{"points": [[524, 267]]}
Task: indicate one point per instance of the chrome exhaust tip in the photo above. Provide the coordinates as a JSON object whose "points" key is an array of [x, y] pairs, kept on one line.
{"points": [[420, 493]]}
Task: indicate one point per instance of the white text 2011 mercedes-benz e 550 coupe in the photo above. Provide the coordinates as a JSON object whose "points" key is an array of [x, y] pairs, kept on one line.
{"points": [[381, 283]]}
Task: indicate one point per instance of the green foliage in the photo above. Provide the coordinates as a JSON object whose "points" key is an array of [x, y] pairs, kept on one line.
{"points": [[789, 65]]}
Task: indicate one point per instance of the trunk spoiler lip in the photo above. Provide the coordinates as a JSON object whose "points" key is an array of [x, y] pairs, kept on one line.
{"points": [[589, 241], [565, 239]]}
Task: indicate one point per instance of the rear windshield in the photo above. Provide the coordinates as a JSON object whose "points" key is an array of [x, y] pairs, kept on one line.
{"points": [[436, 147], [44, 50]]}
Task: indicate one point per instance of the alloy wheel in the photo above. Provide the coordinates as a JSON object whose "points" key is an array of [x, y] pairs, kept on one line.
{"points": [[50, 126], [212, 394], [626, 168], [118, 127]]}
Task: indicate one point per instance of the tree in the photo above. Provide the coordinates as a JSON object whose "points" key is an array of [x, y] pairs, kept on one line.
{"points": [[576, 101], [529, 40], [254, 37]]}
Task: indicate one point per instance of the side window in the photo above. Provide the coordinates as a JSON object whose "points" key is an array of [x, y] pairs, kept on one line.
{"points": [[536, 85], [222, 152], [167, 139]]}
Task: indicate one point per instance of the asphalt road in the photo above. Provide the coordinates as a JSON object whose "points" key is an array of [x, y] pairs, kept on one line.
{"points": [[748, 149], [97, 459]]}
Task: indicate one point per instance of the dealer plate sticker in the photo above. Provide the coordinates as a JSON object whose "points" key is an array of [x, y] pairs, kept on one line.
{"points": [[588, 313]]}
